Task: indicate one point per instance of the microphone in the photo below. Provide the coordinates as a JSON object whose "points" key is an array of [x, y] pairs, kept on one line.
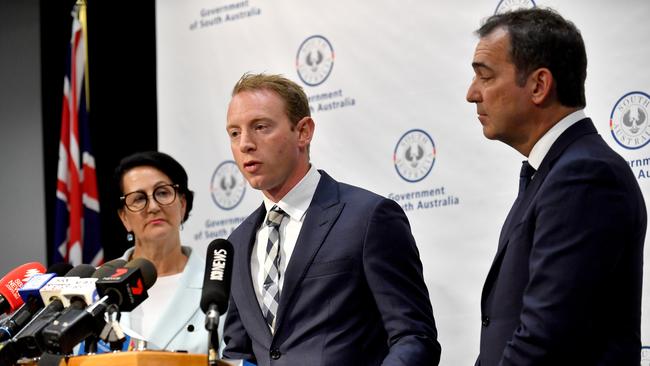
{"points": [[124, 287], [60, 268], [82, 292], [32, 303], [216, 288], [32, 289], [10, 300], [27, 342], [216, 281], [108, 268]]}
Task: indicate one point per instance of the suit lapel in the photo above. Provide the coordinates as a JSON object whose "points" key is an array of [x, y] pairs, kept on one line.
{"points": [[249, 231], [520, 206], [321, 215], [517, 210], [577, 130]]}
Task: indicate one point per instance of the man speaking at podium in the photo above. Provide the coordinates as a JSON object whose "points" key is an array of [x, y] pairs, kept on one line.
{"points": [[325, 273]]}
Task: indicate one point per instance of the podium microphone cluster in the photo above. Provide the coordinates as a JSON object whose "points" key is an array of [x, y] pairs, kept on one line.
{"points": [[125, 287], [216, 287]]}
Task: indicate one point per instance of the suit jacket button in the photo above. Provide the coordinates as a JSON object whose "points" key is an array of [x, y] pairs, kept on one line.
{"points": [[485, 320], [275, 353]]}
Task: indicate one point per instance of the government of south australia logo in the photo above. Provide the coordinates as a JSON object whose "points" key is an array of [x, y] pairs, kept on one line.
{"points": [[629, 120], [414, 155], [227, 186], [315, 60], [509, 5]]}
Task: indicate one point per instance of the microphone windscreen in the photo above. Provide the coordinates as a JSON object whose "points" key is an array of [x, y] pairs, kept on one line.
{"points": [[147, 269], [12, 281], [218, 272], [108, 268], [82, 270], [60, 269]]}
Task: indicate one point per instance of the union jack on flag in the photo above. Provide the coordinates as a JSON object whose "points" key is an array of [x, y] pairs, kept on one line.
{"points": [[76, 232]]}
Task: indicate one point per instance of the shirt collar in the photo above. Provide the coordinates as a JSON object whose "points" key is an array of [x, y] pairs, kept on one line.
{"points": [[296, 202], [543, 145]]}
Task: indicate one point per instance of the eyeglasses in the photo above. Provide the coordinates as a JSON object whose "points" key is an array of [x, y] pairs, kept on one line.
{"points": [[164, 195]]}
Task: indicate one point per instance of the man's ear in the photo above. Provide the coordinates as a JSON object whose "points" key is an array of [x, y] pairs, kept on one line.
{"points": [[542, 84], [305, 128]]}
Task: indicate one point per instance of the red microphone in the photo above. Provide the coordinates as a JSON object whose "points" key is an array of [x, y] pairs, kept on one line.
{"points": [[10, 299]]}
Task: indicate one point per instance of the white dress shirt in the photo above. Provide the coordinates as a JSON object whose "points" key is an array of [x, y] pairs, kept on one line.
{"points": [[543, 145], [295, 204]]}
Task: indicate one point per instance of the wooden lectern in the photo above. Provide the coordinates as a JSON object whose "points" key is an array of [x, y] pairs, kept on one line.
{"points": [[140, 358]]}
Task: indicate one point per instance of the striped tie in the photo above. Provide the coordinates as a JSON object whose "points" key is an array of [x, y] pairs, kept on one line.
{"points": [[271, 288]]}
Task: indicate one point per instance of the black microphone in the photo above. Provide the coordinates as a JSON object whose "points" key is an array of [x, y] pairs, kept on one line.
{"points": [[109, 267], [124, 286], [216, 281], [216, 290]]}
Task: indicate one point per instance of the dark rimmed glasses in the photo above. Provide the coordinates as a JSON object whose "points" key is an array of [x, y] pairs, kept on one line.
{"points": [[164, 195]]}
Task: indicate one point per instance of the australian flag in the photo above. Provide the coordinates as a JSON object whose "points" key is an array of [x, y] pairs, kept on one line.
{"points": [[76, 232]]}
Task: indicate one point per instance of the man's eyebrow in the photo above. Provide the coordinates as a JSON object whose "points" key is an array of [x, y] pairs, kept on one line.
{"points": [[254, 120], [480, 65]]}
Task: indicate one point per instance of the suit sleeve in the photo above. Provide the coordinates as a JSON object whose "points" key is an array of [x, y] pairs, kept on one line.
{"points": [[394, 272], [238, 343], [584, 221]]}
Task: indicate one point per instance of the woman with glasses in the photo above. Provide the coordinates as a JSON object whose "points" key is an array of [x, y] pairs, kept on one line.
{"points": [[154, 202]]}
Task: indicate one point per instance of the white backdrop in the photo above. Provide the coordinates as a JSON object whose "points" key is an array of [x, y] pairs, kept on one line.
{"points": [[387, 82]]}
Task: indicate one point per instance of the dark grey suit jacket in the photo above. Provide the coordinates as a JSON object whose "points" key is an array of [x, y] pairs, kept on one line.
{"points": [[353, 291], [565, 285]]}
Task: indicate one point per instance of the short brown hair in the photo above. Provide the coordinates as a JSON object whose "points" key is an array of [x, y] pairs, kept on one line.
{"points": [[296, 103]]}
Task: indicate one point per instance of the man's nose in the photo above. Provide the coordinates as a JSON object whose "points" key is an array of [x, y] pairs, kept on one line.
{"points": [[246, 142], [473, 95]]}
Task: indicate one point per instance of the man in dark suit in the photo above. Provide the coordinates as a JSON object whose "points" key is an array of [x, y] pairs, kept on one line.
{"points": [[325, 273], [565, 285]]}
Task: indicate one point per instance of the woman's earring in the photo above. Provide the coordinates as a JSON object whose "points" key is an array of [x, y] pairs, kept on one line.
{"points": [[129, 237]]}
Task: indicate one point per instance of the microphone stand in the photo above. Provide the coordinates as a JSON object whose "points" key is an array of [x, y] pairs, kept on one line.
{"points": [[213, 356], [90, 345], [112, 332], [211, 324]]}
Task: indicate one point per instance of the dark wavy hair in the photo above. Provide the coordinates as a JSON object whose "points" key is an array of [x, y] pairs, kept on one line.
{"points": [[543, 38], [161, 161]]}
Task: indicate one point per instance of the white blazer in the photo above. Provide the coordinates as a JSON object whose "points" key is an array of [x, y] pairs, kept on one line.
{"points": [[181, 325]]}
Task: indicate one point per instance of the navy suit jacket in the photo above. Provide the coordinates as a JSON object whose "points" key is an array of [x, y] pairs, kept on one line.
{"points": [[565, 285], [353, 290]]}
